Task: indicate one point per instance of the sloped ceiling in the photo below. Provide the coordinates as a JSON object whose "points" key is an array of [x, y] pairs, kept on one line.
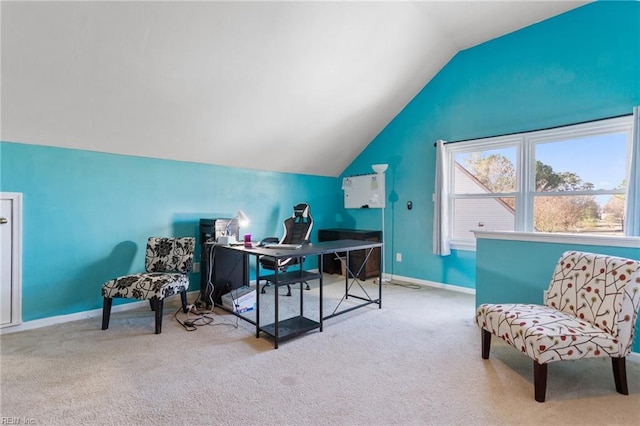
{"points": [[298, 87]]}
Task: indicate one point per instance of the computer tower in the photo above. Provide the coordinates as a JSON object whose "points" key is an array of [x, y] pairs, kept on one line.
{"points": [[220, 270]]}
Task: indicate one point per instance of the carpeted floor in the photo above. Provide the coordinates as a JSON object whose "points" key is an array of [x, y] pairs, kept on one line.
{"points": [[416, 361]]}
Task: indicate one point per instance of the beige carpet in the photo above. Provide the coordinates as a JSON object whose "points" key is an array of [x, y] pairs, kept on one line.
{"points": [[414, 362]]}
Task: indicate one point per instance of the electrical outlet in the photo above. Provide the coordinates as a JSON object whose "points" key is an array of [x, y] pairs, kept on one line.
{"points": [[398, 257], [196, 267]]}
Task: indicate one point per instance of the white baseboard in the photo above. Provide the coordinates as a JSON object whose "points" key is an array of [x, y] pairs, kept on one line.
{"points": [[459, 289], [59, 319]]}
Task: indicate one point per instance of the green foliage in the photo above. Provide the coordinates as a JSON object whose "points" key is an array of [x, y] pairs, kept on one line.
{"points": [[551, 214], [495, 172], [549, 180]]}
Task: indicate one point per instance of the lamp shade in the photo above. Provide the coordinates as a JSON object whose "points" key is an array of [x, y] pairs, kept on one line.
{"points": [[243, 220], [379, 168]]}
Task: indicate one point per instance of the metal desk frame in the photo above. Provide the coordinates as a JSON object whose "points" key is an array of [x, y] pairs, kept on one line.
{"points": [[291, 327]]}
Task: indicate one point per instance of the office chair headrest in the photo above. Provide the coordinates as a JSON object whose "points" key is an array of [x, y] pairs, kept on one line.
{"points": [[301, 210]]}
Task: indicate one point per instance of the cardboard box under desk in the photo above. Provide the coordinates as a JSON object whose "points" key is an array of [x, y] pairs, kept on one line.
{"points": [[240, 300]]}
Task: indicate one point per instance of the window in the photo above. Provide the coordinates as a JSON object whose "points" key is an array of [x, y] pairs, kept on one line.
{"points": [[566, 180]]}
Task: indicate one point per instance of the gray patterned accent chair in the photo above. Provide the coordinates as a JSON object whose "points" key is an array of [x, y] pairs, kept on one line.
{"points": [[590, 311], [167, 264]]}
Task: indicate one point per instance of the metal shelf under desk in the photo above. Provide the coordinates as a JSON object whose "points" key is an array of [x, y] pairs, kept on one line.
{"points": [[290, 327], [291, 277]]}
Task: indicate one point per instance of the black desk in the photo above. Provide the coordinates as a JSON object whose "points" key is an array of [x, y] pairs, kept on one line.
{"points": [[297, 325]]}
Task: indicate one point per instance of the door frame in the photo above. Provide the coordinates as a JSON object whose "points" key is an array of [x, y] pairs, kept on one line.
{"points": [[16, 257]]}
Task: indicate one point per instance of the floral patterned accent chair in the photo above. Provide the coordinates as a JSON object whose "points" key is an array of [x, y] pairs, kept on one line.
{"points": [[590, 310], [167, 263]]}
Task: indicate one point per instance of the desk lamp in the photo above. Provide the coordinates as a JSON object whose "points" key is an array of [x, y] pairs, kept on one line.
{"points": [[242, 220]]}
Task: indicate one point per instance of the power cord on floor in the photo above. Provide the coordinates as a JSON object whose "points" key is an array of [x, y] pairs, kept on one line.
{"points": [[195, 318], [390, 281], [406, 285]]}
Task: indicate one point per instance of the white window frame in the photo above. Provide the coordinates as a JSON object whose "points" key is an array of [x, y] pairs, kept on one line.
{"points": [[525, 144]]}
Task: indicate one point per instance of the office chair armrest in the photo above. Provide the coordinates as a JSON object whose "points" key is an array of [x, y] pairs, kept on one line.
{"points": [[268, 240]]}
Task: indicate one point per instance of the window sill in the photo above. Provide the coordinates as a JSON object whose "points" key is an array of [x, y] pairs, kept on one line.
{"points": [[599, 240]]}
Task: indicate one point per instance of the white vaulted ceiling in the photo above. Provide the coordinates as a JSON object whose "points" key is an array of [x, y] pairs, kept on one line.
{"points": [[297, 87]]}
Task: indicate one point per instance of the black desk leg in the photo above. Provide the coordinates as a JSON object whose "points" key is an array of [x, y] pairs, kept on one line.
{"points": [[320, 262], [380, 279], [380, 285], [347, 273], [300, 261], [257, 294], [275, 323]]}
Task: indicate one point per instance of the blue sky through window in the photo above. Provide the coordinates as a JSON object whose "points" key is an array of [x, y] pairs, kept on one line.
{"points": [[600, 160]]}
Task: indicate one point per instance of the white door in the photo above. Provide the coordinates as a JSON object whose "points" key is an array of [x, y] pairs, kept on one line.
{"points": [[10, 258]]}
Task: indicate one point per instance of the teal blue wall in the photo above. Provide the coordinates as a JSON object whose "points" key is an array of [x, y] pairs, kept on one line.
{"points": [[582, 65], [519, 271], [87, 215]]}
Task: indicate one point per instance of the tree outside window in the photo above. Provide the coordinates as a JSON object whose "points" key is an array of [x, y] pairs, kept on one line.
{"points": [[572, 181]]}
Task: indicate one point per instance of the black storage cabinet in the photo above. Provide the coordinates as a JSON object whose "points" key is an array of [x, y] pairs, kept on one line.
{"points": [[332, 265]]}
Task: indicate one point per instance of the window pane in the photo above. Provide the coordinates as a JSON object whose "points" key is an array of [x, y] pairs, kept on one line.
{"points": [[485, 171], [495, 214], [603, 215], [597, 162]]}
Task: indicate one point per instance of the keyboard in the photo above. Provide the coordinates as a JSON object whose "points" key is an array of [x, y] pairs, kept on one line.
{"points": [[283, 246]]}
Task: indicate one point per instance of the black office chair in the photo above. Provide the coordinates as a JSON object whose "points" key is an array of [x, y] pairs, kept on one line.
{"points": [[297, 230]]}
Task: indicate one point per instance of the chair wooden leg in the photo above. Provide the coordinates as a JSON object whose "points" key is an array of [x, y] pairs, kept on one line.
{"points": [[486, 343], [153, 307], [158, 310], [539, 381], [183, 299], [106, 312], [620, 375]]}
